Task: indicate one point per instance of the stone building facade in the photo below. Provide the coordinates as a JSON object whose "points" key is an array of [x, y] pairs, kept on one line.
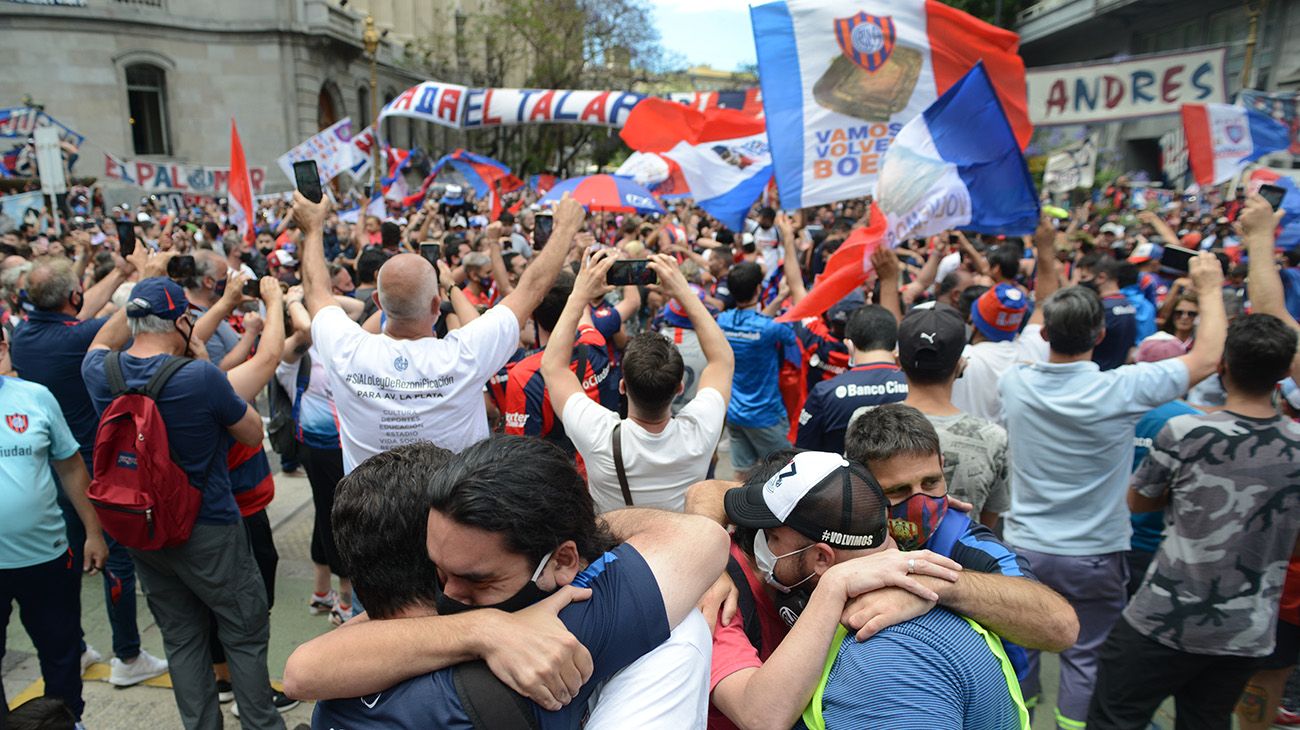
{"points": [[284, 69]]}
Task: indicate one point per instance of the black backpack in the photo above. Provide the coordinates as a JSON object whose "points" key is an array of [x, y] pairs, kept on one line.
{"points": [[283, 427]]}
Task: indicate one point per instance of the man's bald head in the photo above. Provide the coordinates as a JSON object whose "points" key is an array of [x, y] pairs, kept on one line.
{"points": [[408, 286]]}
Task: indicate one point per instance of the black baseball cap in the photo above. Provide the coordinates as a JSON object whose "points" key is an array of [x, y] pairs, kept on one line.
{"points": [[819, 495], [931, 341]]}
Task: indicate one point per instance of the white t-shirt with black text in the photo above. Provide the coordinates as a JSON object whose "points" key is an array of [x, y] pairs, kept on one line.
{"points": [[390, 392], [660, 466]]}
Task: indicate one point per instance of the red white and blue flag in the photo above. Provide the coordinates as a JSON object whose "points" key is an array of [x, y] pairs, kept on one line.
{"points": [[542, 182], [956, 165], [722, 155], [394, 183], [831, 115], [1222, 138], [490, 178]]}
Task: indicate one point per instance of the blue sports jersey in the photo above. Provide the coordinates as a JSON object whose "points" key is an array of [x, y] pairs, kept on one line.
{"points": [[1121, 332], [759, 344], [830, 405], [1291, 290], [1149, 527], [34, 433], [1144, 312], [934, 671], [623, 621], [48, 349], [607, 321]]}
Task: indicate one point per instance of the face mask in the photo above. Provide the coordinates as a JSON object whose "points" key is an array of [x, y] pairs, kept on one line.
{"points": [[246, 257], [767, 563], [915, 519], [187, 335], [1091, 284], [528, 595], [219, 288], [789, 606]]}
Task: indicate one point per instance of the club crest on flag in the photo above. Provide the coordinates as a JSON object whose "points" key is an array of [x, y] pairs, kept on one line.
{"points": [[1235, 132], [17, 422], [866, 40]]}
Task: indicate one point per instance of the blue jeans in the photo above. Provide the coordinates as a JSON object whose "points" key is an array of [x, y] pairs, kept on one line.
{"points": [[119, 584], [751, 445]]}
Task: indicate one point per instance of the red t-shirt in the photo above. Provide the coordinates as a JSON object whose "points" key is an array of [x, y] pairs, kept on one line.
{"points": [[732, 650]]}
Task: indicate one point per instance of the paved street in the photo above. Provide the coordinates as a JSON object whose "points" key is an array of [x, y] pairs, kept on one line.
{"points": [[151, 705]]}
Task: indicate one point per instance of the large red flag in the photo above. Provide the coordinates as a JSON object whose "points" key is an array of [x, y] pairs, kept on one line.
{"points": [[241, 188], [848, 268]]}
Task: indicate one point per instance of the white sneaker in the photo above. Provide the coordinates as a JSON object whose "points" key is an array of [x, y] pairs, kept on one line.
{"points": [[317, 604], [341, 614], [90, 656], [145, 666]]}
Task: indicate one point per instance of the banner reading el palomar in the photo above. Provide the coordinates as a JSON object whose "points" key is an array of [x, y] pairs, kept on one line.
{"points": [[154, 177], [1140, 87]]}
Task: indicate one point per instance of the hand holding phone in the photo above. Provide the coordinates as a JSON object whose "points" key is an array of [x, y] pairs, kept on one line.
{"points": [[431, 253], [1273, 194], [1177, 258], [628, 272], [307, 178], [125, 237], [253, 288], [544, 223]]}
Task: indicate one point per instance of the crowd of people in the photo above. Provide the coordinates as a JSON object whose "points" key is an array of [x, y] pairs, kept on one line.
{"points": [[545, 500]]}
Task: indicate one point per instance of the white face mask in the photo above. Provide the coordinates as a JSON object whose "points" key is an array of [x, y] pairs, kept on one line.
{"points": [[767, 563]]}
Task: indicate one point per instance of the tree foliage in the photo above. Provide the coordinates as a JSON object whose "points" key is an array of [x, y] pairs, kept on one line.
{"points": [[987, 10], [561, 44]]}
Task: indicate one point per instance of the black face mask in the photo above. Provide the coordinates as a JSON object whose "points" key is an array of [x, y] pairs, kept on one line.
{"points": [[523, 598], [246, 257], [790, 605], [219, 288], [187, 335], [1091, 284]]}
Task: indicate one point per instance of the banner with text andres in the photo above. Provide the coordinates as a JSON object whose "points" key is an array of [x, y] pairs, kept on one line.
{"points": [[1108, 91]]}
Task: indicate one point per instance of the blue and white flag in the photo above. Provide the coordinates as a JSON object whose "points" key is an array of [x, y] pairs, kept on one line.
{"points": [[957, 165]]}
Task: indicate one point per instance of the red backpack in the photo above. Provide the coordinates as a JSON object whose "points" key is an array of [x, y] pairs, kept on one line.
{"points": [[143, 498]]}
